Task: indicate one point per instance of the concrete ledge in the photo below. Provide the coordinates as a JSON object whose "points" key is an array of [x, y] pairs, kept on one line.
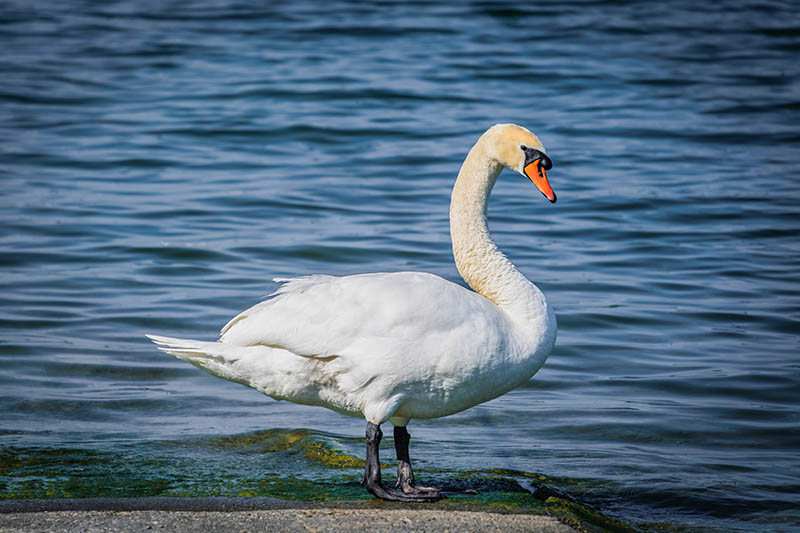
{"points": [[246, 514]]}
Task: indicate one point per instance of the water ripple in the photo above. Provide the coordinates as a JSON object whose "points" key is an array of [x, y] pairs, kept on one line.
{"points": [[162, 163]]}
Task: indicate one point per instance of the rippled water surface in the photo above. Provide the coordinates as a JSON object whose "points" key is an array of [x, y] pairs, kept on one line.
{"points": [[162, 162]]}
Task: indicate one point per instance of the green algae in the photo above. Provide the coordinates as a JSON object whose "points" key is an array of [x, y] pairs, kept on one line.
{"points": [[329, 457], [584, 518], [256, 464], [293, 465], [296, 441]]}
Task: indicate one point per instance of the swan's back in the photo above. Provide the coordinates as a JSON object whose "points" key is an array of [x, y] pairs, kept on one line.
{"points": [[367, 315]]}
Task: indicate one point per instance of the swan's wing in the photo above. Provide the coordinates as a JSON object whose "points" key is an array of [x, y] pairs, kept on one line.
{"points": [[376, 343], [323, 316]]}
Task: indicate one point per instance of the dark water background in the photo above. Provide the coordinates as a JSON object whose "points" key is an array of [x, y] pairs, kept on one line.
{"points": [[160, 162]]}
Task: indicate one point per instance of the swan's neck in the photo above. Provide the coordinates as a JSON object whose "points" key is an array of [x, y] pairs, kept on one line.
{"points": [[478, 260]]}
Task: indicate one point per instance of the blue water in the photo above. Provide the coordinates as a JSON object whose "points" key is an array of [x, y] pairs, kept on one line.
{"points": [[162, 162]]}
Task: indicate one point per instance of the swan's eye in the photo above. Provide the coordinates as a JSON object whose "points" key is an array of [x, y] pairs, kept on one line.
{"points": [[523, 147]]}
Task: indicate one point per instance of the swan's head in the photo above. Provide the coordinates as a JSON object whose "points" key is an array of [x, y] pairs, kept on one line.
{"points": [[520, 150]]}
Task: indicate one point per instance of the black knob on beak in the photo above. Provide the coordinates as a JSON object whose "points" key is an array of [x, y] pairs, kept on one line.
{"points": [[546, 163], [532, 154]]}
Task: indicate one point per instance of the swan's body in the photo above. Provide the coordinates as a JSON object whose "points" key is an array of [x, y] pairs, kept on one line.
{"points": [[396, 346]]}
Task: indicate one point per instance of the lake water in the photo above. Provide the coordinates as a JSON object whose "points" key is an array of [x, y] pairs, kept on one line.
{"points": [[162, 162]]}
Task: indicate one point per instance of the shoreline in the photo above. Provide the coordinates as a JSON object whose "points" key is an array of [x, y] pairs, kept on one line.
{"points": [[250, 514]]}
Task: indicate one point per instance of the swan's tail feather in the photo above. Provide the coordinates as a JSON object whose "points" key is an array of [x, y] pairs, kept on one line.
{"points": [[214, 357], [180, 348]]}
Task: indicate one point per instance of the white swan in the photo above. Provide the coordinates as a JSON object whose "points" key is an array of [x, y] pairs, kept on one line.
{"points": [[403, 345]]}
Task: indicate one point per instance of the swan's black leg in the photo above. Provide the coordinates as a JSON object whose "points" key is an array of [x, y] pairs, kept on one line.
{"points": [[372, 473], [405, 475]]}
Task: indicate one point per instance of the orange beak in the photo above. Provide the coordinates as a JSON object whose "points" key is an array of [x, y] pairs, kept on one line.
{"points": [[538, 176]]}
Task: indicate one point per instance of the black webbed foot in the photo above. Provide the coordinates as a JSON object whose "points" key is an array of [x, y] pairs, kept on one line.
{"points": [[372, 474]]}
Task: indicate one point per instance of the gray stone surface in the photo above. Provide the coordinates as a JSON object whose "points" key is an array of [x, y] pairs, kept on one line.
{"points": [[291, 520]]}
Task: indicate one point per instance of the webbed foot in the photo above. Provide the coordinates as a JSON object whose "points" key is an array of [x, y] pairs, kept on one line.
{"points": [[372, 475]]}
